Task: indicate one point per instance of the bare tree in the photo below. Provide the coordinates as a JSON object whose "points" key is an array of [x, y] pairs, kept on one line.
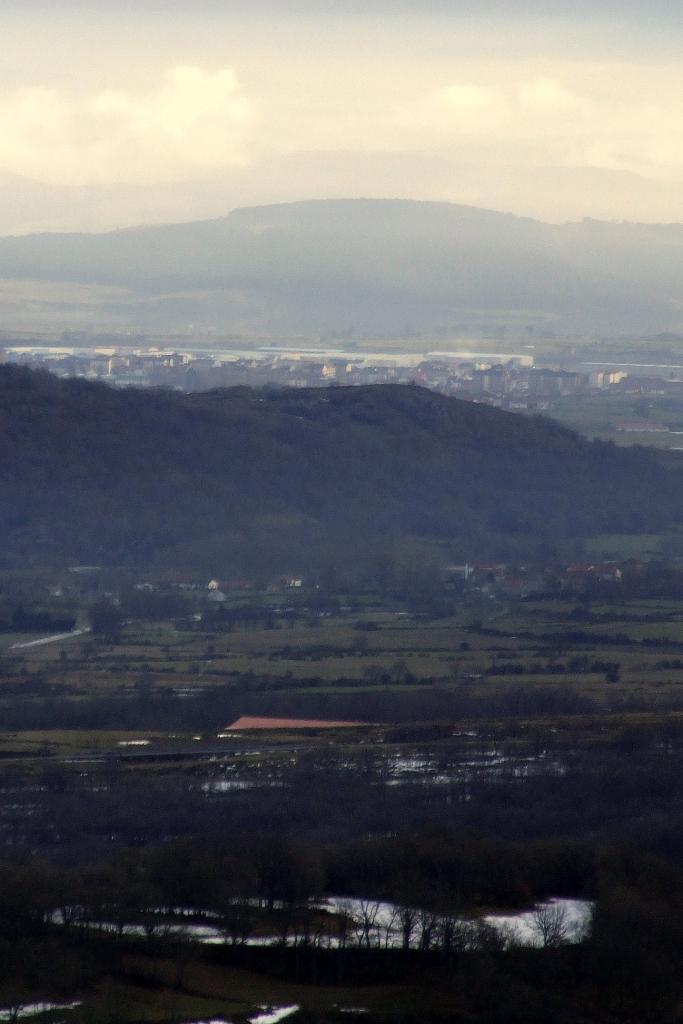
{"points": [[344, 915], [408, 921], [238, 921], [365, 923], [389, 927], [551, 925], [428, 923]]}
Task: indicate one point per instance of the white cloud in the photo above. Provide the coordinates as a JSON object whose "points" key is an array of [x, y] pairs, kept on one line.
{"points": [[33, 123], [276, 127], [195, 122], [621, 117], [518, 107]]}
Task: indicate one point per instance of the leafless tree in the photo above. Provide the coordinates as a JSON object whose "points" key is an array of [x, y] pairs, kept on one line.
{"points": [[345, 922], [365, 923], [551, 925], [388, 928], [407, 917], [428, 923], [238, 921]]}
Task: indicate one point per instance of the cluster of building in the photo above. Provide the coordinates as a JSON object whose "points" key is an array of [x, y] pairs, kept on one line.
{"points": [[513, 381], [509, 380], [497, 579]]}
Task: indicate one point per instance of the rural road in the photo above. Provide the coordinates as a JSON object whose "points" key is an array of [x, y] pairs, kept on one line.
{"points": [[49, 639]]}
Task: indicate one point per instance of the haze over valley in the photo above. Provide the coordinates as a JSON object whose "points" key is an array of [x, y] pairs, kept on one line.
{"points": [[341, 512], [352, 268]]}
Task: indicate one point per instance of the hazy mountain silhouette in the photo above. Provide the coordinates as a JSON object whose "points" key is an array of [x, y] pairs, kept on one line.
{"points": [[368, 266]]}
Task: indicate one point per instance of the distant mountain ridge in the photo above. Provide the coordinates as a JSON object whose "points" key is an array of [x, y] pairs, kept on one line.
{"points": [[364, 266], [289, 479]]}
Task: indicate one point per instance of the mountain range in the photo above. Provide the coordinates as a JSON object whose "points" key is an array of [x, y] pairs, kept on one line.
{"points": [[350, 268]]}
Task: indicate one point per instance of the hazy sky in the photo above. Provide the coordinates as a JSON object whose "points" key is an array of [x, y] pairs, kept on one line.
{"points": [[115, 113]]}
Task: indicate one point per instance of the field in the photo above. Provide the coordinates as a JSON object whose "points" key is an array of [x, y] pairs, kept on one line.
{"points": [[522, 738], [495, 648], [654, 421], [164, 696]]}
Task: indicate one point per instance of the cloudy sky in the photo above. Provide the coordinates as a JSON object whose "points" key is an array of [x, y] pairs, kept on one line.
{"points": [[117, 113]]}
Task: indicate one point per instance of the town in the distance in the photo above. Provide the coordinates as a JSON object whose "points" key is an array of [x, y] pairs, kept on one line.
{"points": [[627, 389]]}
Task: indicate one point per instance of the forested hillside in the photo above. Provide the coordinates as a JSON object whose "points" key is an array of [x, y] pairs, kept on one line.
{"points": [[276, 480]]}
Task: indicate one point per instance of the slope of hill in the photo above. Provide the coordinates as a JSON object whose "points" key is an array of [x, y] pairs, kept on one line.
{"points": [[277, 479], [354, 266]]}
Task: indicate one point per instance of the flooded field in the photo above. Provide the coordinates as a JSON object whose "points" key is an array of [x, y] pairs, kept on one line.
{"points": [[207, 876], [346, 922]]}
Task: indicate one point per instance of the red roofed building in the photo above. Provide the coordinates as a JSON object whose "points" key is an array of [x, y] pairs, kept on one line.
{"points": [[248, 723]]}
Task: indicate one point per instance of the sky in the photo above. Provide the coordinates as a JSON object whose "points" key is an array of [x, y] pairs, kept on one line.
{"points": [[115, 114]]}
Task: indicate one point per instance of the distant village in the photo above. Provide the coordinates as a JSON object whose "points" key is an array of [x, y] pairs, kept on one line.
{"points": [[507, 380], [467, 581]]}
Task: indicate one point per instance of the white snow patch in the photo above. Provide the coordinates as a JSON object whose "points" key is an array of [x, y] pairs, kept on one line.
{"points": [[202, 933], [214, 1020], [237, 785], [273, 1014], [379, 922], [228, 785], [411, 763], [523, 927], [383, 915], [33, 1009]]}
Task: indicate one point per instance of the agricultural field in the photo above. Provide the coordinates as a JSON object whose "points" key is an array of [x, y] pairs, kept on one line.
{"points": [[500, 756], [448, 698], [494, 649], [654, 421]]}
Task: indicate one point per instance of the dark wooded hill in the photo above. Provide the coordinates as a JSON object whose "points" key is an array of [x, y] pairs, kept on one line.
{"points": [[282, 479]]}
